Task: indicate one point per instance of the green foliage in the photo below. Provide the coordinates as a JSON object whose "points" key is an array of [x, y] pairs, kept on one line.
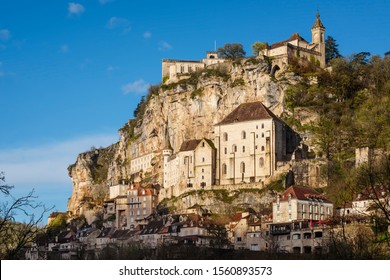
{"points": [[331, 49], [165, 78], [141, 106], [57, 225], [100, 160], [128, 130], [257, 47], [237, 83], [196, 92], [352, 102], [231, 51], [217, 72], [111, 218]]}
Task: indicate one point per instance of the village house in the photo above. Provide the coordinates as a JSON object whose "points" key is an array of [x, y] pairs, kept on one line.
{"points": [[366, 204], [300, 217], [135, 207], [257, 236], [299, 237], [250, 142], [300, 203], [192, 230]]}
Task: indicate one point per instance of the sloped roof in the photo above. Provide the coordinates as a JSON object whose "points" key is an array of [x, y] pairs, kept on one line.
{"points": [[303, 193], [318, 22], [293, 37], [249, 112], [191, 145]]}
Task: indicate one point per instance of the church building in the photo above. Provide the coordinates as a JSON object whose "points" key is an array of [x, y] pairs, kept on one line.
{"points": [[296, 46]]}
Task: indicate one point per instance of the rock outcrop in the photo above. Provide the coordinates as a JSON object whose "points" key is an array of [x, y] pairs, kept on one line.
{"points": [[186, 110]]}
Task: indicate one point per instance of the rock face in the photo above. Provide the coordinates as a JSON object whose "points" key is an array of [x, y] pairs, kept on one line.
{"points": [[185, 110]]}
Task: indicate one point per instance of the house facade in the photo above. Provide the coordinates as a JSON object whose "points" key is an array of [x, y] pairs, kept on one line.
{"points": [[300, 203], [192, 167], [174, 70]]}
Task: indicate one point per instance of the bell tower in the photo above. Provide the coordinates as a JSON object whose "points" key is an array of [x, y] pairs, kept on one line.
{"points": [[318, 38]]}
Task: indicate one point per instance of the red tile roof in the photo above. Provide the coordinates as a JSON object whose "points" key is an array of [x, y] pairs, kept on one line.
{"points": [[302, 193]]}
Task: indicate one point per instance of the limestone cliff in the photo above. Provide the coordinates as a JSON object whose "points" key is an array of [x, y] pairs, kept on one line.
{"points": [[186, 110]]}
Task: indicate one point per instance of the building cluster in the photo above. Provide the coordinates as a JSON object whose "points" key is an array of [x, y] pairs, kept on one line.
{"points": [[282, 53], [250, 145], [286, 230]]}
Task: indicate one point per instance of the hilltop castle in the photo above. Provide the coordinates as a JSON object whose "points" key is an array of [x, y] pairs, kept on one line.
{"points": [[280, 52]]}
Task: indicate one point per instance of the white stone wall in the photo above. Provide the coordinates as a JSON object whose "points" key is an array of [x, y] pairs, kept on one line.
{"points": [[141, 163], [255, 150], [301, 209], [117, 190]]}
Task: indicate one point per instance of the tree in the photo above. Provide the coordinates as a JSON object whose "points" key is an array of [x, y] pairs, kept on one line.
{"points": [[232, 51], [257, 47], [15, 236], [331, 49]]}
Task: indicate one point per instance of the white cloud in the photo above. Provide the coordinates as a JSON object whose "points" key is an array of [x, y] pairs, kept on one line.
{"points": [[64, 49], [147, 34], [117, 22], [47, 164], [5, 34], [164, 46], [138, 86], [75, 8]]}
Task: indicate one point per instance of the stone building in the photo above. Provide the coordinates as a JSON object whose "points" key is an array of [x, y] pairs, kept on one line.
{"points": [[300, 218], [141, 163], [174, 70], [296, 46], [192, 167], [299, 203], [250, 141], [131, 204]]}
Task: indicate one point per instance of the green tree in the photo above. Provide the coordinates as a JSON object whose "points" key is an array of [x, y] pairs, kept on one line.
{"points": [[232, 51], [257, 47], [331, 49]]}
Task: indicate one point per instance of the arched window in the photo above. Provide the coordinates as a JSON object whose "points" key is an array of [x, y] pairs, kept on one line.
{"points": [[262, 148], [243, 134], [224, 169], [243, 149], [225, 151], [225, 136], [234, 148], [262, 125], [242, 167], [262, 134], [261, 162]]}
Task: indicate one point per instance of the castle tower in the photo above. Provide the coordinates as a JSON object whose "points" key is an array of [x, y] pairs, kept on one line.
{"points": [[318, 37], [166, 153]]}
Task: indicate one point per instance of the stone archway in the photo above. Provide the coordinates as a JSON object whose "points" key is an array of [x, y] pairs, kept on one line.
{"points": [[275, 69]]}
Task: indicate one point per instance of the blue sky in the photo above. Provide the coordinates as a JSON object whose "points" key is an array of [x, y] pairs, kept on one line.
{"points": [[72, 72]]}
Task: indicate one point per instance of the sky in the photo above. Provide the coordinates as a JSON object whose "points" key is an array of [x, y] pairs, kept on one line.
{"points": [[72, 72]]}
